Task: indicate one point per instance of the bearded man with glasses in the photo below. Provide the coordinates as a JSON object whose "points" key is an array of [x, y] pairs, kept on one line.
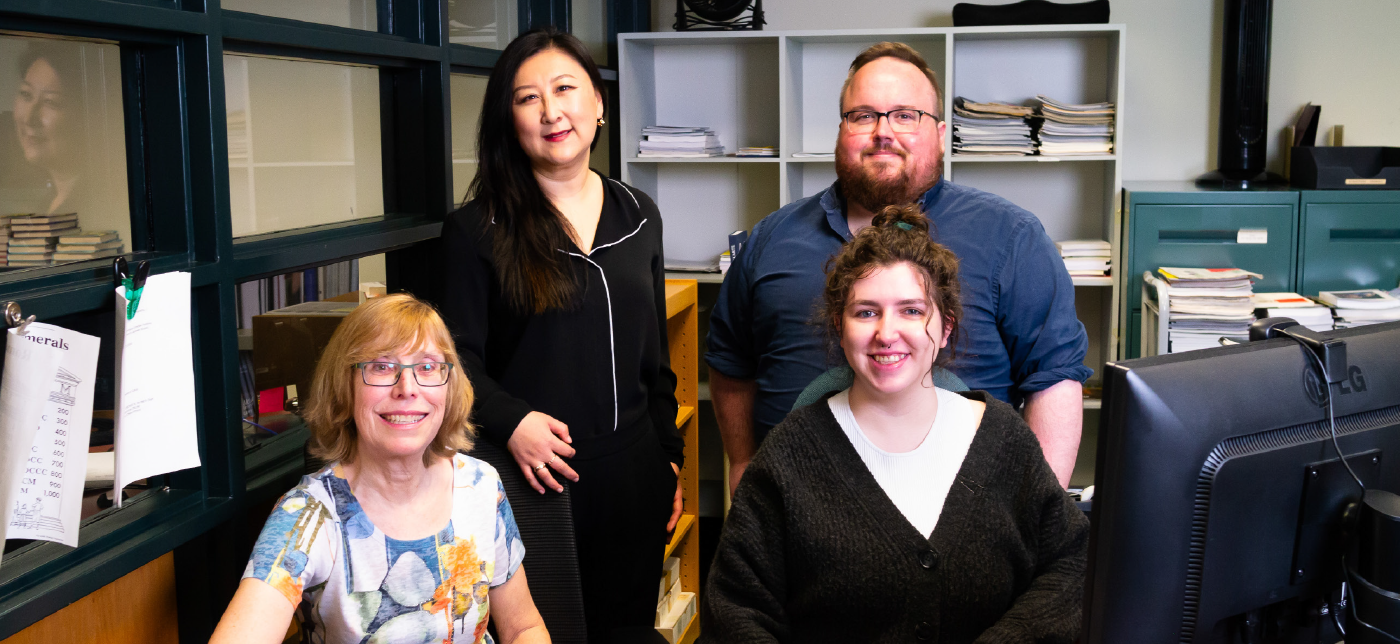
{"points": [[1021, 340]]}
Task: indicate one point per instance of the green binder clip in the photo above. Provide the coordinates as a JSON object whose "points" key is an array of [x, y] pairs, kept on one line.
{"points": [[134, 283]]}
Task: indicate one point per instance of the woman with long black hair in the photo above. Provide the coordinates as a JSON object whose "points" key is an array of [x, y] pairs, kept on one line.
{"points": [[555, 291]]}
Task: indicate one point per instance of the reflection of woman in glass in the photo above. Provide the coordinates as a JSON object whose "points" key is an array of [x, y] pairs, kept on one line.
{"points": [[46, 119]]}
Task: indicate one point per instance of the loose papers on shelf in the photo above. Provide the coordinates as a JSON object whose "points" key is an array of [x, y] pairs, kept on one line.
{"points": [[46, 494], [996, 129], [673, 141], [155, 428], [1066, 129]]}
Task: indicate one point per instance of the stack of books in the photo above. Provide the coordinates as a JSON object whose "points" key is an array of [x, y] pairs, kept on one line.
{"points": [[1363, 307], [33, 238], [5, 238], [757, 151], [669, 141], [1086, 257], [87, 244], [1207, 303], [1067, 129], [993, 129], [1292, 305]]}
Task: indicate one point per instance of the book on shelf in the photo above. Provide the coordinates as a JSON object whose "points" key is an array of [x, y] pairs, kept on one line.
{"points": [[88, 237], [62, 256], [1099, 264], [1369, 298], [813, 155], [757, 151], [1066, 129], [89, 248]]}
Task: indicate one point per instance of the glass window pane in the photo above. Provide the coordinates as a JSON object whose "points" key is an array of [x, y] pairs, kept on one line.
{"points": [[284, 323], [590, 26], [467, 95], [62, 151], [303, 143], [355, 14], [482, 23]]}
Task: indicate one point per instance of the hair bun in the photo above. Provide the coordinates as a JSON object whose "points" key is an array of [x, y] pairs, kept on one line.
{"points": [[908, 217]]}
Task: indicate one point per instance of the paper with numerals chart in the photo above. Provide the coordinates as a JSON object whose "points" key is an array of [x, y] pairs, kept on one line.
{"points": [[46, 491]]}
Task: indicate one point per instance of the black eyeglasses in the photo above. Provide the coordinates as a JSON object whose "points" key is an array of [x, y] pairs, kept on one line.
{"points": [[386, 374], [903, 121]]}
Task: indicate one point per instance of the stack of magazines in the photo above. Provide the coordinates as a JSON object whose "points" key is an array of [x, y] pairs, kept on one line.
{"points": [[672, 141], [1207, 303], [1361, 308], [1304, 311], [5, 238], [1086, 257], [1067, 129], [994, 129]]}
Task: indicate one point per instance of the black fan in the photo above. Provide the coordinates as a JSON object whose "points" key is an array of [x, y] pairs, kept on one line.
{"points": [[719, 15]]}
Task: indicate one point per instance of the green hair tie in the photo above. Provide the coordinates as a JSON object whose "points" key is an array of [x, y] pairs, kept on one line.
{"points": [[904, 225]]}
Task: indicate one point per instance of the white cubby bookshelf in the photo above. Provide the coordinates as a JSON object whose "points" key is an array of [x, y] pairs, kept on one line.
{"points": [[780, 88]]}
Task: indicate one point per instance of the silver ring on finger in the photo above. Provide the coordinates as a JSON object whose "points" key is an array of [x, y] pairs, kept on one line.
{"points": [[540, 467], [552, 459]]}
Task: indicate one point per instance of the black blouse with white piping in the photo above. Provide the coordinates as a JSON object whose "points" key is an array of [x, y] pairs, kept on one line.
{"points": [[601, 366]]}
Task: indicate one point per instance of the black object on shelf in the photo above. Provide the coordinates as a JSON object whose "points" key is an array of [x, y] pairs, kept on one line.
{"points": [[1030, 12], [1345, 168], [1244, 97], [719, 15]]}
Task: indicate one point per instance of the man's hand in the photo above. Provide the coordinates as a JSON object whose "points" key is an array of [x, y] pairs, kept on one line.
{"points": [[1056, 415], [733, 399]]}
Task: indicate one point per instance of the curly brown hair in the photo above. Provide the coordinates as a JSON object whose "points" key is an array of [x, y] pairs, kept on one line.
{"points": [[897, 234]]}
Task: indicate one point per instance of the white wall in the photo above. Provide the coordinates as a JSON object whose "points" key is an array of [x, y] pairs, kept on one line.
{"points": [[1342, 55]]}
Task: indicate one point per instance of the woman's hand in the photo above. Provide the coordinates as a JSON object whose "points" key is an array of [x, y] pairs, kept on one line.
{"points": [[677, 504], [539, 440]]}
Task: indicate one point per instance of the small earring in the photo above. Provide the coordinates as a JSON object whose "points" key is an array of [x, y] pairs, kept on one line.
{"points": [[601, 122]]}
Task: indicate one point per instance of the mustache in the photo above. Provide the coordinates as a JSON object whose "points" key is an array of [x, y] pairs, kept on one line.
{"points": [[884, 146]]}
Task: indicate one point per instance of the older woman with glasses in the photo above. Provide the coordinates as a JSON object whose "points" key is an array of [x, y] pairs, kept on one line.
{"points": [[401, 538]]}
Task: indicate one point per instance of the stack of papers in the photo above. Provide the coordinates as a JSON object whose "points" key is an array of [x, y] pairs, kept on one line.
{"points": [[1067, 129], [671, 141], [995, 129], [757, 151], [1086, 257], [88, 244], [1292, 305], [1363, 307], [1207, 303]]}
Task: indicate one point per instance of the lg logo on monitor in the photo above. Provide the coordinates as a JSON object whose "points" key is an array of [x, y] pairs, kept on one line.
{"points": [[1355, 382]]}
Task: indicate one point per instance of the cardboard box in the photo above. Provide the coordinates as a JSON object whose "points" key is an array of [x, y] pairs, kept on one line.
{"points": [[673, 625]]}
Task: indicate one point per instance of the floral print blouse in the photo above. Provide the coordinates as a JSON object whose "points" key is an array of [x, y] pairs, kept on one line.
{"points": [[353, 584]]}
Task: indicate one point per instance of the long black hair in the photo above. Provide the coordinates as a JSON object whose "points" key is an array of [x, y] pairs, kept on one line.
{"points": [[534, 276]]}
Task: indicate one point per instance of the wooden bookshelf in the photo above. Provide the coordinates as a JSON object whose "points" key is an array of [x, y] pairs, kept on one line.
{"points": [[682, 333]]}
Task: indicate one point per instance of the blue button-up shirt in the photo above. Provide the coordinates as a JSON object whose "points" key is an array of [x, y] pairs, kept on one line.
{"points": [[1019, 330]]}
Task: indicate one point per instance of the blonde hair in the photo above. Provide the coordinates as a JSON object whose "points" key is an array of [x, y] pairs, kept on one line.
{"points": [[899, 51], [384, 325]]}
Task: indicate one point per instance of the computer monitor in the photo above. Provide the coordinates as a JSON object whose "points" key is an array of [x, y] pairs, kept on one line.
{"points": [[1219, 495]]}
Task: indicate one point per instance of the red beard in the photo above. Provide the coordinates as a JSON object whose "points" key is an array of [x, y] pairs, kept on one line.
{"points": [[863, 185]]}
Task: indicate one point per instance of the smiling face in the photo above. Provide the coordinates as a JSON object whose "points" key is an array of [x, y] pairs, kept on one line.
{"points": [[888, 330], [40, 113], [556, 109], [400, 420], [884, 167]]}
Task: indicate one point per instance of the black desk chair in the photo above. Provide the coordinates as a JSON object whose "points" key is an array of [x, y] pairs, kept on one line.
{"points": [[547, 529]]}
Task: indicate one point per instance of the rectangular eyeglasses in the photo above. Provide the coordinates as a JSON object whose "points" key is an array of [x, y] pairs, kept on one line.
{"points": [[386, 374], [903, 121]]}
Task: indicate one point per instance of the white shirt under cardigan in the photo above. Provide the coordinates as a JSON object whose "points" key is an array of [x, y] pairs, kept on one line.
{"points": [[916, 481]]}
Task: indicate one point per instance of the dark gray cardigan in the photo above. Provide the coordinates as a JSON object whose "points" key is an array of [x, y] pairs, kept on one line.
{"points": [[814, 551]]}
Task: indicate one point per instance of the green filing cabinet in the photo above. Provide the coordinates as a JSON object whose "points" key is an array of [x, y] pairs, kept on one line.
{"points": [[1182, 224], [1350, 240]]}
